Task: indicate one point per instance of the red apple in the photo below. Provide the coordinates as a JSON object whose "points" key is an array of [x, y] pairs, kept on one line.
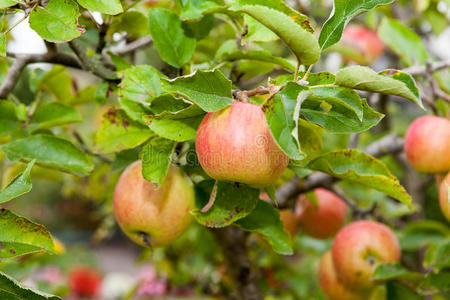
{"points": [[235, 144], [444, 196], [150, 215], [359, 248], [325, 219], [427, 144], [330, 284], [85, 282], [364, 41], [290, 221]]}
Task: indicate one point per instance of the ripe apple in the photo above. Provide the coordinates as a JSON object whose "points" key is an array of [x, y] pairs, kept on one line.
{"points": [[235, 144], [325, 219], [150, 215], [427, 144], [330, 284], [290, 221], [359, 248], [364, 41], [85, 282], [444, 196]]}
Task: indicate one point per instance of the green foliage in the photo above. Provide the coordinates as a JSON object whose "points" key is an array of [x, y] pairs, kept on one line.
{"points": [[156, 157], [343, 12], [18, 186], [58, 21], [21, 236], [11, 289], [231, 203]]}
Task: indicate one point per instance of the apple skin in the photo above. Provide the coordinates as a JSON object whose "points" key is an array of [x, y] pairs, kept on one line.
{"points": [[235, 144], [330, 284], [85, 282], [144, 211], [325, 220], [359, 248], [444, 201], [427, 144], [364, 41], [290, 221]]}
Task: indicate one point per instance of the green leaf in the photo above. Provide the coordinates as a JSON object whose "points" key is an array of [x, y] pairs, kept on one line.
{"points": [[167, 102], [196, 9], [343, 12], [403, 41], [229, 52], [321, 78], [265, 220], [57, 22], [8, 3], [20, 236], [356, 166], [292, 27], [156, 156], [18, 186], [141, 83], [57, 82], [101, 92], [437, 256], [232, 202], [392, 271], [9, 121], [169, 38], [134, 23], [421, 233], [10, 289], [436, 283], [396, 291], [109, 7], [2, 45], [210, 90], [49, 151], [310, 136], [337, 97], [177, 126], [135, 110], [282, 113], [389, 82], [54, 114], [339, 119], [257, 32], [118, 133]]}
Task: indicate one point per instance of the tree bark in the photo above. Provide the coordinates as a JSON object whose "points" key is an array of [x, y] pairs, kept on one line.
{"points": [[232, 241]]}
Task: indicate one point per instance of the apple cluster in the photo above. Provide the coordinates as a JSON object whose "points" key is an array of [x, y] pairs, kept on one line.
{"points": [[427, 147]]}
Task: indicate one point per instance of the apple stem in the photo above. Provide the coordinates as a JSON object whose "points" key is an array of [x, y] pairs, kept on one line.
{"points": [[212, 198], [297, 70]]}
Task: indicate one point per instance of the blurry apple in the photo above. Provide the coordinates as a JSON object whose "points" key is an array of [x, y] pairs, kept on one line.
{"points": [[150, 215], [235, 144], [427, 144], [444, 196], [85, 282], [366, 43], [359, 248], [330, 284], [290, 221], [325, 219]]}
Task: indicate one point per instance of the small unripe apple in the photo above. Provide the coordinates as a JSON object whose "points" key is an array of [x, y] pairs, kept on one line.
{"points": [[359, 248], [427, 144], [330, 284], [364, 41], [235, 144], [325, 219], [444, 196], [290, 221], [149, 215]]}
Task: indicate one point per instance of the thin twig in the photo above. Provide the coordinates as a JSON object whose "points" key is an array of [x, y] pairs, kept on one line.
{"points": [[13, 76], [133, 46], [87, 150], [422, 70]]}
